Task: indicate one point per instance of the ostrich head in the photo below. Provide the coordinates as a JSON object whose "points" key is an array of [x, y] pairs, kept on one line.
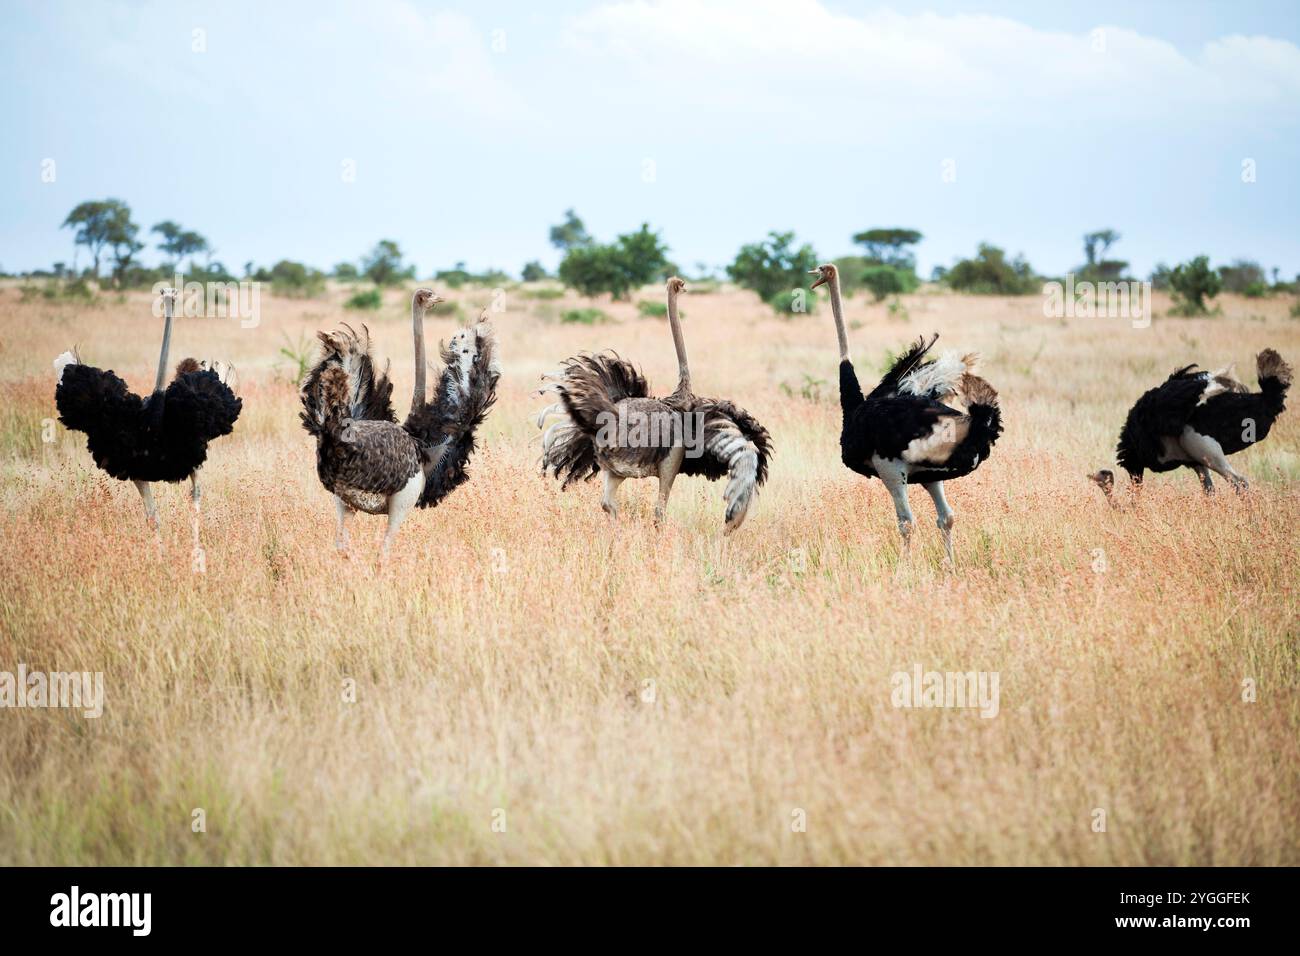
{"points": [[168, 296], [426, 299], [676, 285], [825, 273], [1105, 479]]}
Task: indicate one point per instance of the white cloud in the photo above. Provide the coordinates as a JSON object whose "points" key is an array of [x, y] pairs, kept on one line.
{"points": [[775, 53]]}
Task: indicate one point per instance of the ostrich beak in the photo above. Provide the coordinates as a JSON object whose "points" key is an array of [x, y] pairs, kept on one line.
{"points": [[821, 277]]}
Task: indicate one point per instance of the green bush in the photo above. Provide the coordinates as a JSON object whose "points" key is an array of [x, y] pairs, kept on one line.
{"points": [[794, 302], [583, 317], [655, 310], [1192, 283], [773, 268], [884, 281], [78, 289], [545, 294], [367, 299], [383, 264], [293, 279], [989, 273], [459, 276], [1241, 275], [533, 272], [629, 262], [1256, 290]]}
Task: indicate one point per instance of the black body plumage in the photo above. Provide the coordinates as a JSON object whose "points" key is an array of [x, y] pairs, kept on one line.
{"points": [[1209, 404], [884, 423], [163, 437]]}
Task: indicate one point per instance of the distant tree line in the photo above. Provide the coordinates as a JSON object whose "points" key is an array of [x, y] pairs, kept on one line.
{"points": [[775, 267]]}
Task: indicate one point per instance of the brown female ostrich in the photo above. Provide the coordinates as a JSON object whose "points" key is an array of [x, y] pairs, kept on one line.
{"points": [[610, 424], [368, 461], [929, 420], [161, 437], [1196, 419]]}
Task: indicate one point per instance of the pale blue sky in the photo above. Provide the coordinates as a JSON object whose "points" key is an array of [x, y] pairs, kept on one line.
{"points": [[473, 126]]}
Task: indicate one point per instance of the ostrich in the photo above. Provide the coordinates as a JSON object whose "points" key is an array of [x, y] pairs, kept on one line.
{"points": [[928, 421], [1196, 419], [608, 423], [364, 458], [163, 437]]}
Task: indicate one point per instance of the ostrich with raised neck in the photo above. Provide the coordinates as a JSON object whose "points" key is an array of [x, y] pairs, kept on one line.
{"points": [[160, 437], [364, 458], [928, 421], [687, 435]]}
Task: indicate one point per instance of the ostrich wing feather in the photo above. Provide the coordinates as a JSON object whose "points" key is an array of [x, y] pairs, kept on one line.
{"points": [[734, 445], [199, 407], [445, 427]]}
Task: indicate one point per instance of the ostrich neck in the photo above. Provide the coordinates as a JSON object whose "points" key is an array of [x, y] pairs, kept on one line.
{"points": [[683, 369], [166, 346], [837, 309], [417, 330]]}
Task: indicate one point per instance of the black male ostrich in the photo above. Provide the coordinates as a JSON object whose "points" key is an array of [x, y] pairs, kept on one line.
{"points": [[928, 421], [162, 437], [368, 461], [1196, 419], [610, 424]]}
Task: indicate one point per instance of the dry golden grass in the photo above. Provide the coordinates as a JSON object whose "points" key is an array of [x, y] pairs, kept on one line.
{"points": [[519, 695]]}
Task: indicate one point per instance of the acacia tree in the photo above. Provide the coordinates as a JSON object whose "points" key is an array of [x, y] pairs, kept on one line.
{"points": [[888, 247], [125, 246], [177, 243], [1095, 246], [99, 223]]}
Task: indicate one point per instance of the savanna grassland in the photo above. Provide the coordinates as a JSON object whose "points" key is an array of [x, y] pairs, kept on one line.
{"points": [[534, 686]]}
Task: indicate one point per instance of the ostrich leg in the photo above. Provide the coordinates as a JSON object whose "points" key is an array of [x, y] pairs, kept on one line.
{"points": [[341, 536], [196, 496], [1209, 452], [668, 469], [1135, 480], [943, 516], [609, 495], [150, 509], [1204, 474], [894, 475], [398, 505]]}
